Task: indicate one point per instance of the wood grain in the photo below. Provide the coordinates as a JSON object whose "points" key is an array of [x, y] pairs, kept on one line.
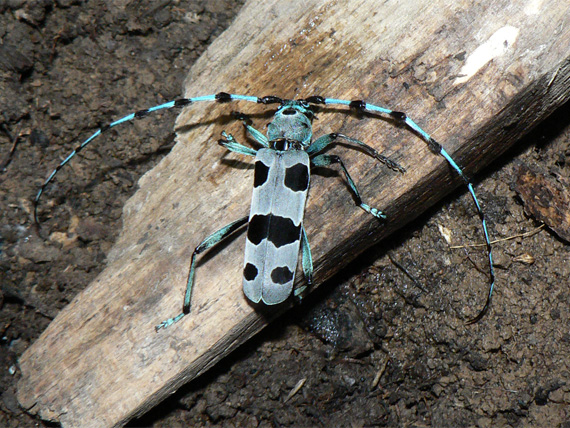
{"points": [[476, 77]]}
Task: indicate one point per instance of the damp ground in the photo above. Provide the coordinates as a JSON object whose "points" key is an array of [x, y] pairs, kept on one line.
{"points": [[383, 344]]}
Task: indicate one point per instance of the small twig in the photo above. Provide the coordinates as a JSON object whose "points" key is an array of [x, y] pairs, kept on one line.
{"points": [[405, 272], [379, 374], [295, 389], [522, 235], [14, 141]]}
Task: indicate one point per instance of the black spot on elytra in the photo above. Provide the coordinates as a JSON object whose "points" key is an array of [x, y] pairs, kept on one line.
{"points": [[257, 229], [297, 177], [281, 275], [250, 272], [278, 230], [260, 174]]}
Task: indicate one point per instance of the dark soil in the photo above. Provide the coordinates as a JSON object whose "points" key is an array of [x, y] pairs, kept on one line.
{"points": [[383, 344]]}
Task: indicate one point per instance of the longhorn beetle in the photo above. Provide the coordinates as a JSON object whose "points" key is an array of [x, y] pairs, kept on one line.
{"points": [[281, 183]]}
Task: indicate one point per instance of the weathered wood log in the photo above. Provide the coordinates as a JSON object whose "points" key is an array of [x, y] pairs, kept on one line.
{"points": [[476, 77]]}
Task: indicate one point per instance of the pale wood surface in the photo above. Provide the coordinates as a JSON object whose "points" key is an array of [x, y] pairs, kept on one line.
{"points": [[475, 77]]}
